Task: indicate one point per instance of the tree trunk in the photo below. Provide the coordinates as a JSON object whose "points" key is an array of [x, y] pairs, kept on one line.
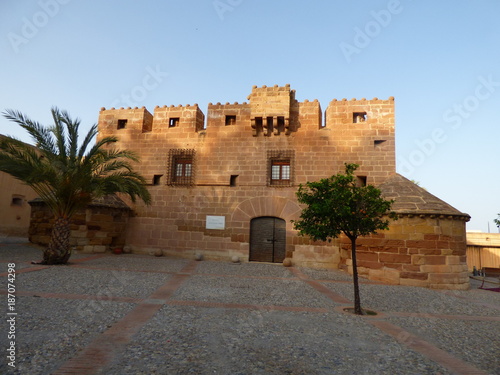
{"points": [[357, 300], [58, 251]]}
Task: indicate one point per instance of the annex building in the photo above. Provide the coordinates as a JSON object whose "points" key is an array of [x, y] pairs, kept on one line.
{"points": [[223, 185]]}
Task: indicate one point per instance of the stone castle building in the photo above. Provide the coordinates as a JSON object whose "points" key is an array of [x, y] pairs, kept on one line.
{"points": [[224, 185]]}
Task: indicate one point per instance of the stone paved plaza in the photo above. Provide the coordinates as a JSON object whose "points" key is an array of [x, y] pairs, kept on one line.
{"points": [[137, 314]]}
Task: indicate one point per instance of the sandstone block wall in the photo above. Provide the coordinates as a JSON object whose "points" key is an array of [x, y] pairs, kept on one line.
{"points": [[94, 230], [14, 207], [417, 250]]}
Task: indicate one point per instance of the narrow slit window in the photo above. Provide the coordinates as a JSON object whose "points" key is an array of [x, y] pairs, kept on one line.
{"points": [[173, 122], [258, 125], [233, 180], [281, 124], [122, 124], [230, 119], [358, 117], [378, 142], [17, 201], [360, 180], [157, 179], [269, 125]]}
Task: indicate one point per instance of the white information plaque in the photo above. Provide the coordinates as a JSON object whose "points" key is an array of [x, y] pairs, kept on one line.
{"points": [[216, 222]]}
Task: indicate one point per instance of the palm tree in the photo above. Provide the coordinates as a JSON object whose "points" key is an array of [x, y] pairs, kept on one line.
{"points": [[66, 175]]}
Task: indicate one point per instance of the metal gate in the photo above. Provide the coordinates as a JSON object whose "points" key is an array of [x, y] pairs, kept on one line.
{"points": [[267, 239]]}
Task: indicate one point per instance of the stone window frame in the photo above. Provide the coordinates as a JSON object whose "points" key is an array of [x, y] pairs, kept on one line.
{"points": [[121, 123], [280, 157], [230, 120], [174, 122], [182, 157], [359, 117]]}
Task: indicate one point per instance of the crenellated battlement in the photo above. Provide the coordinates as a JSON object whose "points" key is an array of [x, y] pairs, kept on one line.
{"points": [[356, 130], [270, 111], [180, 118]]}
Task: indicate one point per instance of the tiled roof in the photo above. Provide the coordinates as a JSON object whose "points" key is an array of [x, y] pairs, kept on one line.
{"points": [[411, 198]]}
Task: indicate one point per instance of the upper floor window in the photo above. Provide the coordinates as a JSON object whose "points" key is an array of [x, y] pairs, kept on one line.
{"points": [[181, 162], [280, 167], [280, 171], [183, 167]]}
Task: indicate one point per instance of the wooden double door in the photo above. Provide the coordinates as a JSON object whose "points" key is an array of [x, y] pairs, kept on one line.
{"points": [[267, 239]]}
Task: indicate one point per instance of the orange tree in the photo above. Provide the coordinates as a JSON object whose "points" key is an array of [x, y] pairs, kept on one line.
{"points": [[337, 205], [67, 174]]}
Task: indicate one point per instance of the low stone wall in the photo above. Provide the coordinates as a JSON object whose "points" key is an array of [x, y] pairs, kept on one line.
{"points": [[417, 250], [93, 230]]}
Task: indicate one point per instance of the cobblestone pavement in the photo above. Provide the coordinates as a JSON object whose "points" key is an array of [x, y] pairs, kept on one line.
{"points": [[134, 314]]}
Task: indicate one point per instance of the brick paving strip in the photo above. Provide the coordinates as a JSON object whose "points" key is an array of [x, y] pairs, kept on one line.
{"points": [[335, 297]]}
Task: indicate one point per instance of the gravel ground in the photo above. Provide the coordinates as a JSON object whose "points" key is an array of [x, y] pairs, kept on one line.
{"points": [[64, 279], [216, 340], [479, 295], [13, 240], [386, 298], [131, 262], [335, 275], [240, 290], [243, 269], [4, 266], [475, 342], [20, 253], [187, 340], [51, 331], [26, 253]]}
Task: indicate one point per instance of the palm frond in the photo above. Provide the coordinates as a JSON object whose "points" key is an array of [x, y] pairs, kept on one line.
{"points": [[40, 134], [64, 174]]}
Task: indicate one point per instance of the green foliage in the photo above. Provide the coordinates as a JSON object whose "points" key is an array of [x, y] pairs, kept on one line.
{"points": [[338, 205], [497, 221], [66, 174]]}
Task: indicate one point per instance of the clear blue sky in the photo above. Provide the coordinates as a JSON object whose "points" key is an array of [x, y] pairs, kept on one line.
{"points": [[439, 59]]}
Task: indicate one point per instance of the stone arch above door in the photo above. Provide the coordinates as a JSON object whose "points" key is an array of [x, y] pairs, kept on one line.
{"points": [[266, 206]]}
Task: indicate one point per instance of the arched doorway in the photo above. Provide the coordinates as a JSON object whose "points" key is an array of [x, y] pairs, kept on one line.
{"points": [[267, 239]]}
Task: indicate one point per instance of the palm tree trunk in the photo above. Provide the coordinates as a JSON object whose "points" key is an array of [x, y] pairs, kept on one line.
{"points": [[357, 300], [58, 251]]}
